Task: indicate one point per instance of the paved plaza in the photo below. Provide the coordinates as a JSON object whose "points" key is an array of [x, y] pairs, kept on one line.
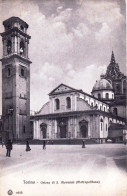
{"points": [[65, 170]]}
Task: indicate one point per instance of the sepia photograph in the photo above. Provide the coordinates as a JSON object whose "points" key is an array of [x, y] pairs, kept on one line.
{"points": [[63, 98]]}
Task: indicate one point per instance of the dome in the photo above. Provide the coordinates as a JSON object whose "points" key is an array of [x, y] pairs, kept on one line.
{"points": [[102, 84]]}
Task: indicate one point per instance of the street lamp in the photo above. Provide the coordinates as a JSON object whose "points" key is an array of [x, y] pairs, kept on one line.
{"points": [[10, 112]]}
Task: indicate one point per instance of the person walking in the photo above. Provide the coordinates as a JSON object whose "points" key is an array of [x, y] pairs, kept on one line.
{"points": [[9, 148], [2, 144], [44, 145], [27, 146], [124, 142], [83, 143]]}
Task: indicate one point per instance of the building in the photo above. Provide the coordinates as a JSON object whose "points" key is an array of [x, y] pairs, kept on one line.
{"points": [[15, 80], [72, 113], [69, 113]]}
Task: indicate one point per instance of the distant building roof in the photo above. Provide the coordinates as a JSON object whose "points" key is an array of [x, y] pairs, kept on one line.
{"points": [[119, 102], [116, 126]]}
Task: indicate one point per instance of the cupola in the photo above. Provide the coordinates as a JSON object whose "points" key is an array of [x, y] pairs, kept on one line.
{"points": [[103, 90]]}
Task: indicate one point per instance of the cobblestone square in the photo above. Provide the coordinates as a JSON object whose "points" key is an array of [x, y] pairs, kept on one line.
{"points": [[65, 170]]}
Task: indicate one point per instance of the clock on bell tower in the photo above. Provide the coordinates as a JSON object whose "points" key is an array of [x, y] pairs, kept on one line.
{"points": [[15, 80]]}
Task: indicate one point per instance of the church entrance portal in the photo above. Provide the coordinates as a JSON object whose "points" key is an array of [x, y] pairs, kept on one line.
{"points": [[63, 131], [83, 129], [44, 130], [62, 127]]}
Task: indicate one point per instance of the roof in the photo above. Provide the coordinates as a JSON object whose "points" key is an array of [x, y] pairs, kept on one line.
{"points": [[13, 18], [72, 113], [70, 89], [62, 88], [119, 102], [116, 126], [102, 84]]}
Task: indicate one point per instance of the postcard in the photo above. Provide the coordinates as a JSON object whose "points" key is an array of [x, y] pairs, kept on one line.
{"points": [[63, 82]]}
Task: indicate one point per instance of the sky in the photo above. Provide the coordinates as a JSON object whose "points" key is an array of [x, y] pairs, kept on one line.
{"points": [[71, 41]]}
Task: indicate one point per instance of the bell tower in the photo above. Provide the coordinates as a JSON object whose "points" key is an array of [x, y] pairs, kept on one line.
{"points": [[15, 80]]}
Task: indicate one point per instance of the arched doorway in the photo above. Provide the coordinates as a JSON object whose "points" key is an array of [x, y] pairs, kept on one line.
{"points": [[83, 128], [63, 131], [43, 130], [62, 127]]}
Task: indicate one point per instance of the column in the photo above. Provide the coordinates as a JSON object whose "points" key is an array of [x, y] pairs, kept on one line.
{"points": [[38, 130], [75, 104], [26, 47], [53, 105], [88, 129], [75, 132], [4, 53], [15, 42], [55, 133], [34, 129], [18, 44]]}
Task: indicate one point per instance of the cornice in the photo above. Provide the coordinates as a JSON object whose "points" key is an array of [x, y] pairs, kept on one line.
{"points": [[15, 56], [15, 32]]}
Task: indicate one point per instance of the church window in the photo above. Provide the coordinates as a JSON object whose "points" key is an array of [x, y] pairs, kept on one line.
{"points": [[100, 107], [92, 104], [99, 96], [68, 102], [9, 71], [117, 87], [110, 121], [124, 87], [101, 121], [96, 106], [101, 126], [8, 26], [22, 72], [107, 96], [115, 111], [9, 46], [104, 109], [57, 101], [22, 28], [24, 129], [22, 48]]}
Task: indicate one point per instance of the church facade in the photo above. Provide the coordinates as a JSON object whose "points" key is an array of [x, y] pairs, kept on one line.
{"points": [[72, 113]]}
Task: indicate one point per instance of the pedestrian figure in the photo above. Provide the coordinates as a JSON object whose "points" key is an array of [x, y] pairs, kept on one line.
{"points": [[124, 142], [44, 144], [2, 144], [52, 142], [27, 146], [9, 148], [83, 143]]}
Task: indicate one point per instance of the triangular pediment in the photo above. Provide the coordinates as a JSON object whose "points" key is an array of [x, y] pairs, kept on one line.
{"points": [[62, 88], [83, 121]]}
